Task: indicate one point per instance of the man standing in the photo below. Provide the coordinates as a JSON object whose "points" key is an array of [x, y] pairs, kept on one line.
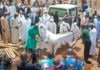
{"points": [[88, 10], [5, 29], [46, 17], [75, 30], [94, 13], [12, 11], [15, 30], [1, 14], [98, 27], [22, 28], [95, 20], [98, 33], [51, 26], [28, 25], [78, 20], [67, 19], [93, 35], [64, 27], [56, 20], [43, 36], [87, 43], [31, 41]]}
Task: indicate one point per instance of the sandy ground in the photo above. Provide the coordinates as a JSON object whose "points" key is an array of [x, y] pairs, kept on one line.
{"points": [[94, 59], [80, 50]]}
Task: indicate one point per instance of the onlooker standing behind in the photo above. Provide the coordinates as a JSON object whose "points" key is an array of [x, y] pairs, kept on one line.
{"points": [[98, 27], [78, 20], [95, 20], [12, 11], [88, 10], [93, 35], [94, 14], [46, 17], [51, 26], [64, 27], [56, 19], [15, 30], [87, 42], [5, 29]]}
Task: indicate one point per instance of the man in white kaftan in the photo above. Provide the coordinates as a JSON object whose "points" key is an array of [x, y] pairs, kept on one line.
{"points": [[64, 27], [28, 25], [12, 11], [15, 30], [51, 26], [93, 36], [22, 28], [34, 10], [89, 10]]}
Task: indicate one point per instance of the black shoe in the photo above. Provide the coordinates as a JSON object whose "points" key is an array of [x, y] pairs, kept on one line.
{"points": [[88, 62]]}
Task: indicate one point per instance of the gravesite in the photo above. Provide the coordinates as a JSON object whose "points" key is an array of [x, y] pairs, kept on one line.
{"points": [[49, 34]]}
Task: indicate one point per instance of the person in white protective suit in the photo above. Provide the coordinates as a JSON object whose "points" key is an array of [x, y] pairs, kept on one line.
{"points": [[75, 30], [64, 27], [46, 17], [93, 36], [42, 33], [51, 26], [45, 41]]}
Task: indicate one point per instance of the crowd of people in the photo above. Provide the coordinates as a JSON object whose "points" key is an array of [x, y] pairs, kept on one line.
{"points": [[50, 62], [19, 24], [90, 36]]}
